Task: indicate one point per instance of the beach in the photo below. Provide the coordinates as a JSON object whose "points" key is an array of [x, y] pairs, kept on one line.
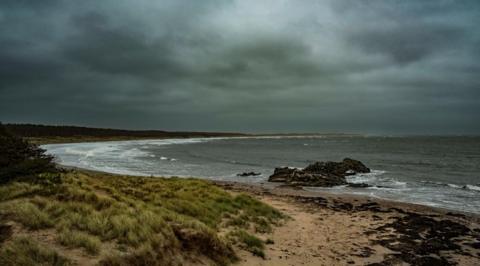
{"points": [[332, 229], [328, 226], [280, 225]]}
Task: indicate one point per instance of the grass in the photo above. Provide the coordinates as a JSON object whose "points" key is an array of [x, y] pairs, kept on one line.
{"points": [[138, 220], [78, 239], [29, 215], [249, 242], [27, 252]]}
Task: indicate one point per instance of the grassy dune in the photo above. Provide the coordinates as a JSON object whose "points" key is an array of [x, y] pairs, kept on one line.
{"points": [[120, 220]]}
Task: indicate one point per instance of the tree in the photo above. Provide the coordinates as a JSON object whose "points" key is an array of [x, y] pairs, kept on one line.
{"points": [[18, 158]]}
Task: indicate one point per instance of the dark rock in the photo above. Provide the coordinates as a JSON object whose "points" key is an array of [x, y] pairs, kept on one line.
{"points": [[475, 245], [322, 174], [291, 186], [370, 206], [358, 185], [429, 260], [342, 206], [456, 214], [297, 177], [5, 232], [304, 178], [364, 252], [346, 167], [248, 174], [417, 237], [281, 174]]}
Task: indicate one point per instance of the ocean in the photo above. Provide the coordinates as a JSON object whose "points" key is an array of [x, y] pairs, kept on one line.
{"points": [[435, 171]]}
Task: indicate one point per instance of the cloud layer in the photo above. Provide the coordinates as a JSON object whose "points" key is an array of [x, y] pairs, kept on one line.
{"points": [[254, 66]]}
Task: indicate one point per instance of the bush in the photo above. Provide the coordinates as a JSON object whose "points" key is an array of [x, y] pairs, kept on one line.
{"points": [[20, 158]]}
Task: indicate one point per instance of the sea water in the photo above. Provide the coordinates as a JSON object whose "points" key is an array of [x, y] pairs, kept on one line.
{"points": [[435, 171]]}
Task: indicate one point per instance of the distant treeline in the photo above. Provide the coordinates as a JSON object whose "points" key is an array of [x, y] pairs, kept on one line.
{"points": [[43, 131]]}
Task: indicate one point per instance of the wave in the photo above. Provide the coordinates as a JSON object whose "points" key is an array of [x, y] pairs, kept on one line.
{"points": [[365, 177], [455, 186], [473, 187], [132, 153], [163, 158]]}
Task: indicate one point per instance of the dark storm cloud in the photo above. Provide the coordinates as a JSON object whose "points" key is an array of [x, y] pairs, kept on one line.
{"points": [[408, 44], [357, 66]]}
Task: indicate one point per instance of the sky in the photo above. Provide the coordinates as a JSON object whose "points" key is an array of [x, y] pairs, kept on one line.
{"points": [[373, 67]]}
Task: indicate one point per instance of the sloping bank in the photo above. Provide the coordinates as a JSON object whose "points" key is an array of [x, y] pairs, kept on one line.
{"points": [[88, 218]]}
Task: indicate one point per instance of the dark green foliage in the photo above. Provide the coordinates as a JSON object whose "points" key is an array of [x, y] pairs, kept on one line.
{"points": [[19, 158], [39, 131]]}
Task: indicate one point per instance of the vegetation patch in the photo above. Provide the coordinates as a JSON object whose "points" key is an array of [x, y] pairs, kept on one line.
{"points": [[121, 220], [248, 242], [143, 220], [78, 239], [28, 214], [18, 158], [27, 252]]}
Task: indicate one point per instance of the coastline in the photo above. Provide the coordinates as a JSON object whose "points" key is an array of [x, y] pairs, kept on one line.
{"points": [[333, 229], [418, 183], [286, 191], [339, 229], [279, 190]]}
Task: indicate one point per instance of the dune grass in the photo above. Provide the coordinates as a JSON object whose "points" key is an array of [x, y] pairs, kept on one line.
{"points": [[249, 242], [73, 238], [136, 220], [29, 215], [27, 252]]}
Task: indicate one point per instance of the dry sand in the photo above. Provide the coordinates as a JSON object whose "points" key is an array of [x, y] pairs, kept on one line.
{"points": [[343, 230]]}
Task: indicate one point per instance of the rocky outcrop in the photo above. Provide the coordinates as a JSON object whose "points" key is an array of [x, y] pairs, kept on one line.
{"points": [[282, 174], [358, 185], [346, 167], [248, 174], [321, 174]]}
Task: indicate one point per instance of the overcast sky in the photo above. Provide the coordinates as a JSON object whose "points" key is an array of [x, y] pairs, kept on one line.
{"points": [[378, 67]]}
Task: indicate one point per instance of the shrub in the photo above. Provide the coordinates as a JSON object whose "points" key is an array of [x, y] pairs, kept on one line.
{"points": [[20, 158]]}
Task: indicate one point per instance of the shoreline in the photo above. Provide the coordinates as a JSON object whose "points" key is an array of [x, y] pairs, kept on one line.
{"points": [[285, 191], [331, 229], [436, 193], [360, 230], [343, 229], [280, 190], [340, 228]]}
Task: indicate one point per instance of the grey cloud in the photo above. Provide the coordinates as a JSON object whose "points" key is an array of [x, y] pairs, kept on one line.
{"points": [[408, 43], [356, 66]]}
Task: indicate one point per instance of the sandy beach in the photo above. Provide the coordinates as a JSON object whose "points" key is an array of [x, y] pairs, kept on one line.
{"points": [[351, 230], [319, 228]]}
